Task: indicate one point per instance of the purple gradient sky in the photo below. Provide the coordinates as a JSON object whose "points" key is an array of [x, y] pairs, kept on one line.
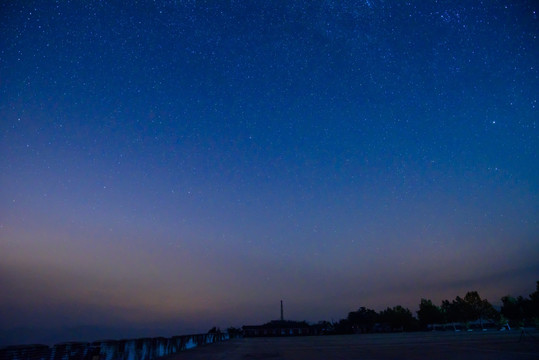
{"points": [[171, 166]]}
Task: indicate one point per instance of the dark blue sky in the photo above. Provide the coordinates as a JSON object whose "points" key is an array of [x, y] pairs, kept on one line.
{"points": [[176, 165]]}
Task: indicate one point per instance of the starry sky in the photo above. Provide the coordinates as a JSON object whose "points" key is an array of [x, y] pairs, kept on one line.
{"points": [[168, 166]]}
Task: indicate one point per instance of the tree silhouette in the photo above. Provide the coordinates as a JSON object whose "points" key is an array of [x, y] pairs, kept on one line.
{"points": [[344, 326], [522, 311], [363, 320], [468, 309], [514, 309], [534, 304], [464, 310], [477, 308], [429, 313], [454, 311], [398, 318]]}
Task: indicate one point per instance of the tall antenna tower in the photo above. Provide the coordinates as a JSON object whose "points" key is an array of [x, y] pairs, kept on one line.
{"points": [[282, 314]]}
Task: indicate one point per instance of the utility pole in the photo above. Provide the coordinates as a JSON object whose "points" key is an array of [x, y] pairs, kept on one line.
{"points": [[282, 315]]}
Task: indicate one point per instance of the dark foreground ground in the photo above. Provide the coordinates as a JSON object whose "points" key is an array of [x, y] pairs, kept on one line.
{"points": [[440, 345]]}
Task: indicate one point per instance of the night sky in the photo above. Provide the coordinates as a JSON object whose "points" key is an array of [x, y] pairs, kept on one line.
{"points": [[169, 166]]}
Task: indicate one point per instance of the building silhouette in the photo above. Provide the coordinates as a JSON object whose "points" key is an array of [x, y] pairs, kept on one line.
{"points": [[281, 327]]}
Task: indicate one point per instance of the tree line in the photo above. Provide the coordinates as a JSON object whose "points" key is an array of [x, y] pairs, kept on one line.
{"points": [[461, 313]]}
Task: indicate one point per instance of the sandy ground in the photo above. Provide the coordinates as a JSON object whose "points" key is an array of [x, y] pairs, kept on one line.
{"points": [[434, 345]]}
